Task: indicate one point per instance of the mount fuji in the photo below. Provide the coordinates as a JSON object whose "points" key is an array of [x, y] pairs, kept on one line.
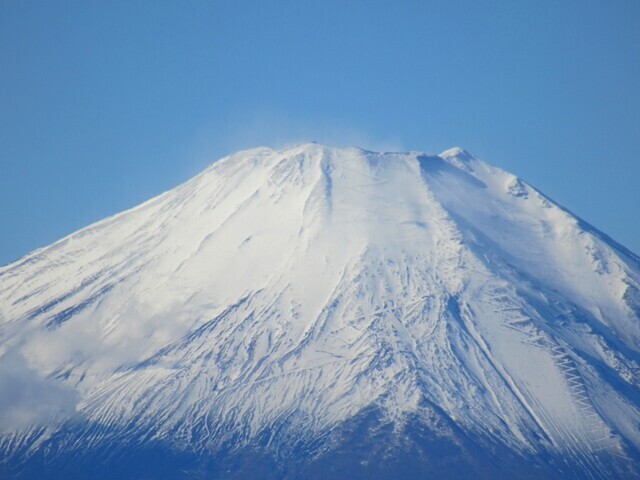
{"points": [[321, 312]]}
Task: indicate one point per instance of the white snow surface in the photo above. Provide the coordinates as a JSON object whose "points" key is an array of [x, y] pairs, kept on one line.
{"points": [[307, 284]]}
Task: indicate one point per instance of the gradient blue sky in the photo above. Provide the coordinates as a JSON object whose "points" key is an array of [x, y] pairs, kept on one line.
{"points": [[104, 104]]}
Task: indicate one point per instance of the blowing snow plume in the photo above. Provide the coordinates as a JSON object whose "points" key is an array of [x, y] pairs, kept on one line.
{"points": [[322, 312]]}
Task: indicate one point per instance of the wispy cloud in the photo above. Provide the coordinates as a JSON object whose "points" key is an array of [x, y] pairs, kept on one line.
{"points": [[28, 399], [279, 130]]}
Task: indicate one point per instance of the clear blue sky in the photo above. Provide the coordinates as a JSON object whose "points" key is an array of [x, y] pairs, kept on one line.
{"points": [[104, 104]]}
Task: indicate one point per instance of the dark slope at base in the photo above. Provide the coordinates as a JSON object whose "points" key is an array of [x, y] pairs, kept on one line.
{"points": [[366, 447]]}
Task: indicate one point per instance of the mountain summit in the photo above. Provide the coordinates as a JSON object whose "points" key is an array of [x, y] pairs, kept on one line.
{"points": [[323, 312]]}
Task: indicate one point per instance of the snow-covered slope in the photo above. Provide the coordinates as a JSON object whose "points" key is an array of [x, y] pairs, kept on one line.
{"points": [[280, 298]]}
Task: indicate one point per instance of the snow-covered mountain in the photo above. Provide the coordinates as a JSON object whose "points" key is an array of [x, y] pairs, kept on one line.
{"points": [[324, 312]]}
